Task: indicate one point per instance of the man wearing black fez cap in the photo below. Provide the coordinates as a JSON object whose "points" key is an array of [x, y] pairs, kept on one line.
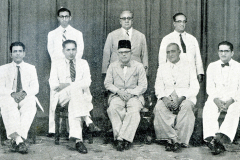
{"points": [[126, 80]]}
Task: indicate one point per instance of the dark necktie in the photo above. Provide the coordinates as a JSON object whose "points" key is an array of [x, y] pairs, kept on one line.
{"points": [[72, 71], [19, 82], [64, 35], [127, 65], [182, 44], [225, 64], [127, 33]]}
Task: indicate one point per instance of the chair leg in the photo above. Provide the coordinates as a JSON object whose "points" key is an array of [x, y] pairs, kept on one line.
{"points": [[2, 131], [57, 125]]}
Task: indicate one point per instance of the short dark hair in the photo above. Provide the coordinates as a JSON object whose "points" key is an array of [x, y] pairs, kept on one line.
{"points": [[227, 44], [173, 44], [64, 10], [69, 41], [17, 44], [179, 14]]}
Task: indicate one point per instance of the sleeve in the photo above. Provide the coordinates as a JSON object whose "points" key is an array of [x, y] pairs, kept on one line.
{"points": [[3, 82], [33, 87], [194, 85], [211, 86], [50, 44], [144, 53], [53, 80], [107, 51], [80, 45], [162, 58], [142, 83], [108, 82], [159, 84], [198, 58]]}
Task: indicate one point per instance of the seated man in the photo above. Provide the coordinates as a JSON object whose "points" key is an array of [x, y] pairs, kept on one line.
{"points": [[18, 87], [176, 88], [223, 86], [70, 80], [126, 79]]}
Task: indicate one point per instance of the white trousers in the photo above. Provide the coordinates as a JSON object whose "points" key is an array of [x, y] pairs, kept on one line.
{"points": [[18, 120], [210, 120], [125, 117]]}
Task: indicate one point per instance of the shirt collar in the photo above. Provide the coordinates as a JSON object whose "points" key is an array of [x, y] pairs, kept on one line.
{"points": [[175, 32], [15, 64], [62, 29], [176, 64], [67, 61], [129, 31], [230, 62]]}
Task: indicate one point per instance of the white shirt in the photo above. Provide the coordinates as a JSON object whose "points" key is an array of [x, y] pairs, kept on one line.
{"points": [[129, 32], [55, 42], [192, 54]]}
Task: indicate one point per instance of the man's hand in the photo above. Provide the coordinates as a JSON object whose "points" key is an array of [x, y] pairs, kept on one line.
{"points": [[61, 87], [168, 103], [124, 95], [179, 101], [200, 78], [18, 96], [220, 104]]}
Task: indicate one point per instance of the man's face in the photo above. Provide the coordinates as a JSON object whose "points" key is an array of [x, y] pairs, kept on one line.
{"points": [[70, 51], [225, 54], [124, 55], [180, 23], [17, 54], [126, 20], [64, 18], [173, 54]]}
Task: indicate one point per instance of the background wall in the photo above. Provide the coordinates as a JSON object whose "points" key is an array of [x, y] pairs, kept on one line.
{"points": [[30, 21]]}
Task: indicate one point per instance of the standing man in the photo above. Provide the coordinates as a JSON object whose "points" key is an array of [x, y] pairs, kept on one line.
{"points": [[18, 87], [70, 80], [55, 39], [126, 80], [137, 39], [188, 45], [176, 88], [223, 89]]}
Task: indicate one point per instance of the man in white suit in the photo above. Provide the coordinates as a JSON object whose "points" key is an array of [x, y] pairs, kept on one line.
{"points": [[70, 80], [138, 42], [188, 45], [55, 38], [18, 87], [176, 88], [223, 89], [126, 79]]}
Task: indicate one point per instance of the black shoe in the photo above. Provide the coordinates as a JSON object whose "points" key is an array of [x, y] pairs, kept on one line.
{"points": [[50, 135], [127, 145], [120, 145], [14, 146], [81, 148], [93, 128], [210, 145], [22, 148], [218, 148], [176, 147], [168, 147]]}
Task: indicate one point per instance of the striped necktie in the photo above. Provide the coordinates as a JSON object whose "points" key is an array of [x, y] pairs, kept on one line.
{"points": [[127, 32], [64, 35], [19, 82], [72, 71]]}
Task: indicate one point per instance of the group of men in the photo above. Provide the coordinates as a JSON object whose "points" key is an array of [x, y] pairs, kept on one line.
{"points": [[125, 63]]}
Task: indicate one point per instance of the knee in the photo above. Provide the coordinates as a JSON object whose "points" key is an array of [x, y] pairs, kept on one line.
{"points": [[160, 106]]}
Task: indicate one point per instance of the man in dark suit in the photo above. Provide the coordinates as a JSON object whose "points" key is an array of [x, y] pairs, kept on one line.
{"points": [[138, 42]]}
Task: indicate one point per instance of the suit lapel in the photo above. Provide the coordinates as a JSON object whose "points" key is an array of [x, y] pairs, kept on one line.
{"points": [[133, 39], [119, 71], [130, 71]]}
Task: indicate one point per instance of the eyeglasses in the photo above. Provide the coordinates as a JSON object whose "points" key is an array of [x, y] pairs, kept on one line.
{"points": [[224, 51], [124, 52], [126, 18], [62, 17], [181, 21]]}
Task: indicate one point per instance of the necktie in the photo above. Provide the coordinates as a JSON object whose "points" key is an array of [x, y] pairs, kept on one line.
{"points": [[127, 65], [19, 82], [72, 71], [182, 44], [225, 64], [64, 35], [127, 33]]}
